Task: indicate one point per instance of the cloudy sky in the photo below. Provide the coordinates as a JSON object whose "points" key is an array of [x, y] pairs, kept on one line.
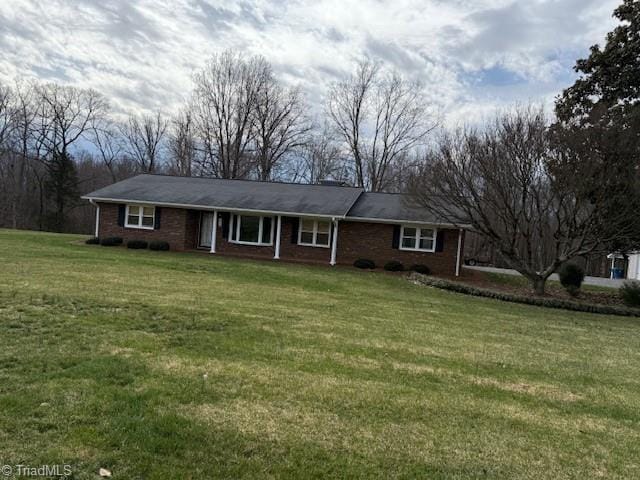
{"points": [[472, 55]]}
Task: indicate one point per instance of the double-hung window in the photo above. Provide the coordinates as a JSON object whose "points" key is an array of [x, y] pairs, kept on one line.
{"points": [[251, 230], [314, 233], [139, 216], [418, 239]]}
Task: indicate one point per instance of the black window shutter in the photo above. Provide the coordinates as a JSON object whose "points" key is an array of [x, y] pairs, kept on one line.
{"points": [[121, 212], [295, 225], [234, 227], [156, 225], [267, 223], [225, 224], [396, 236], [439, 241]]}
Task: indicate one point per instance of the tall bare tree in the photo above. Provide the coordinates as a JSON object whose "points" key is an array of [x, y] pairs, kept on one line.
{"points": [[182, 143], [224, 99], [323, 159], [144, 139], [381, 117], [280, 125], [7, 114], [109, 144], [526, 195], [65, 114], [18, 152]]}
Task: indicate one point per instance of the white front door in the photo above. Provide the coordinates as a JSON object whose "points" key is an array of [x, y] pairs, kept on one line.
{"points": [[206, 225]]}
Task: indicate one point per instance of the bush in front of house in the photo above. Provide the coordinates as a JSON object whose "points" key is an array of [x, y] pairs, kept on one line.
{"points": [[159, 245], [630, 293], [111, 241], [394, 266], [92, 241], [571, 277], [137, 244], [365, 264], [419, 268]]}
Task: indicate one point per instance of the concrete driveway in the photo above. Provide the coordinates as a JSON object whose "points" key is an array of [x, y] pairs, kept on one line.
{"points": [[598, 281]]}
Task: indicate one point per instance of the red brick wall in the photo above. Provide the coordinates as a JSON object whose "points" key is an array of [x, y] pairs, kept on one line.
{"points": [[173, 223], [288, 249], [374, 241]]}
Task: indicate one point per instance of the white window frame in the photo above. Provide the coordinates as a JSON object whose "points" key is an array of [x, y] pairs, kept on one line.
{"points": [[260, 230], [314, 242], [140, 216], [417, 238]]}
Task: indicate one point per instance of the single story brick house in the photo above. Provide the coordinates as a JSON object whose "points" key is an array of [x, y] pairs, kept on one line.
{"points": [[325, 223]]}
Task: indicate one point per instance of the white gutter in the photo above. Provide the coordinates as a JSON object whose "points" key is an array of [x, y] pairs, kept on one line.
{"points": [[405, 222], [209, 208]]}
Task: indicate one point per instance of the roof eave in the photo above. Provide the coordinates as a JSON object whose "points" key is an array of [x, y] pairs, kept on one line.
{"points": [[210, 208], [407, 222]]}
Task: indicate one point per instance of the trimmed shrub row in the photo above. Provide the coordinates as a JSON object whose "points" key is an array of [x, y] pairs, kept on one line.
{"points": [[111, 241], [365, 264], [528, 300], [394, 266], [391, 266], [158, 245], [137, 244]]}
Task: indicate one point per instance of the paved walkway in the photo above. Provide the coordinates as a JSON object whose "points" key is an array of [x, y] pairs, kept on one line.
{"points": [[598, 281]]}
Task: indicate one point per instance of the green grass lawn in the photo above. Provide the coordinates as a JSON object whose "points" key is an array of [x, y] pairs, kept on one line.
{"points": [[178, 366]]}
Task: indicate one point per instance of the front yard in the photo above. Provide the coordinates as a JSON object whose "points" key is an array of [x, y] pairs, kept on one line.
{"points": [[164, 365]]}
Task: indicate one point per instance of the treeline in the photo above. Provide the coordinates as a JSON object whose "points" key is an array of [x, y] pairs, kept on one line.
{"points": [[240, 121]]}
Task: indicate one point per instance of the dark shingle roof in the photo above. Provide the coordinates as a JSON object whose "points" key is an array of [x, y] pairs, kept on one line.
{"points": [[393, 207], [283, 198]]}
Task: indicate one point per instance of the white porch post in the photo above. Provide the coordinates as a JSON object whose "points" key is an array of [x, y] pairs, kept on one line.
{"points": [[613, 264], [278, 230], [214, 231], [459, 252], [334, 242], [97, 220]]}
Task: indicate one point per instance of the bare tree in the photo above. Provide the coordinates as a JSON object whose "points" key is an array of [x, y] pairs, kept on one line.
{"points": [[7, 114], [109, 144], [182, 143], [323, 159], [381, 117], [64, 115], [526, 196], [279, 124], [144, 140], [224, 99], [18, 151]]}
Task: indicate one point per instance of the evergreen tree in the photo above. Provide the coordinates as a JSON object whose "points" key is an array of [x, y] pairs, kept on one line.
{"points": [[62, 188], [598, 126]]}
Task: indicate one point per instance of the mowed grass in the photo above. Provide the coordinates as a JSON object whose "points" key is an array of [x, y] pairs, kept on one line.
{"points": [[177, 366]]}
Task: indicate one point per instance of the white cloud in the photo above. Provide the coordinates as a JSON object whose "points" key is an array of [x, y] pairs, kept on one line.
{"points": [[471, 55]]}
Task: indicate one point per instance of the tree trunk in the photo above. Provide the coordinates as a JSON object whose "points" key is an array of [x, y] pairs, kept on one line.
{"points": [[538, 285]]}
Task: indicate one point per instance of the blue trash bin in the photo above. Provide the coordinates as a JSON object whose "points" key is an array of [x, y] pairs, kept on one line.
{"points": [[617, 273]]}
